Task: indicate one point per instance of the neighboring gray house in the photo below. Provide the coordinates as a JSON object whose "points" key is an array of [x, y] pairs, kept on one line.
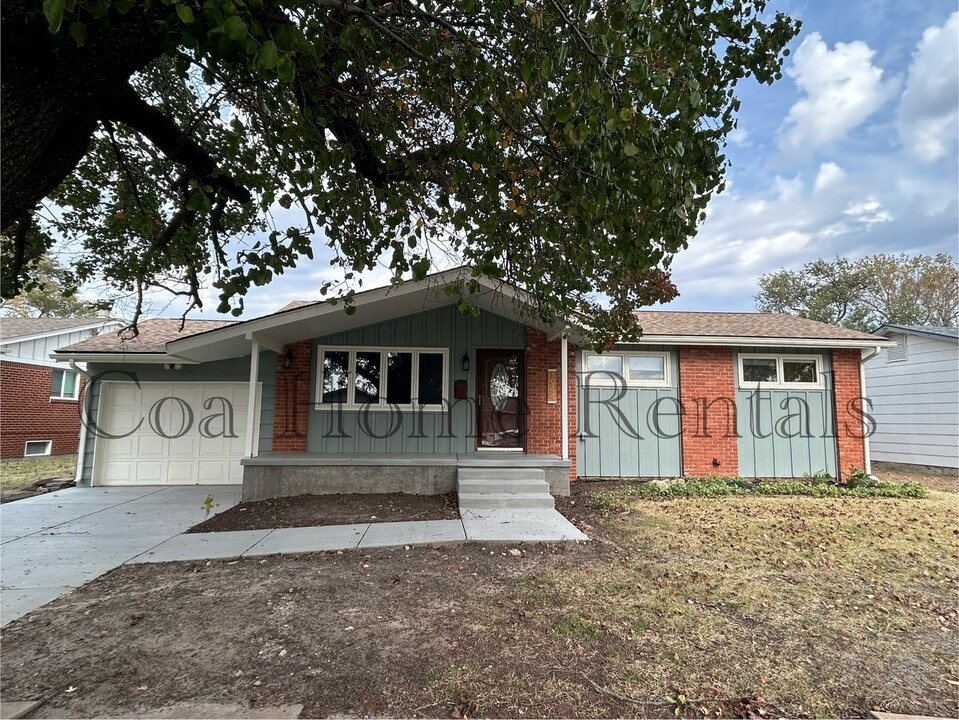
{"points": [[914, 388]]}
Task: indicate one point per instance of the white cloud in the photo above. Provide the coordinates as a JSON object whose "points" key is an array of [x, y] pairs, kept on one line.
{"points": [[841, 89], [829, 175], [929, 110]]}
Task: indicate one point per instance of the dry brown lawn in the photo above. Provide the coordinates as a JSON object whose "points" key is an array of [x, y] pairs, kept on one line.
{"points": [[793, 605]]}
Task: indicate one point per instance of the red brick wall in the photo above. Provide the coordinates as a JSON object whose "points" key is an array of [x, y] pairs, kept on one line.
{"points": [[28, 413], [847, 394], [292, 399], [544, 430], [707, 394]]}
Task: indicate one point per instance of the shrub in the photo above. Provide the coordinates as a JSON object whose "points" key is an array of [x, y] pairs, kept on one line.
{"points": [[723, 486]]}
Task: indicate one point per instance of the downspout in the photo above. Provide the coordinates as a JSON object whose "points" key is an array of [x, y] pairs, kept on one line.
{"points": [[564, 393], [867, 460], [84, 405]]}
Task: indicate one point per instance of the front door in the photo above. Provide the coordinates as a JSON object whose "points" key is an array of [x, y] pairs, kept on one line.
{"points": [[500, 400]]}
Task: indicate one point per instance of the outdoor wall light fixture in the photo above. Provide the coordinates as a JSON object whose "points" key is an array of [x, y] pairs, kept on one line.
{"points": [[288, 358], [466, 362]]}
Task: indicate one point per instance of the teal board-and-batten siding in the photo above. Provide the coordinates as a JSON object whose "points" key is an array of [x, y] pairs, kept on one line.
{"points": [[771, 443], [334, 431], [232, 370], [628, 444]]}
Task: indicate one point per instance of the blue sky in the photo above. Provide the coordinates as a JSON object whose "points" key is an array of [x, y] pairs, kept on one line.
{"points": [[853, 152]]}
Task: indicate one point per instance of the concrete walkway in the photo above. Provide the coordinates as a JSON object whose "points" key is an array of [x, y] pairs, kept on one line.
{"points": [[487, 526], [56, 542]]}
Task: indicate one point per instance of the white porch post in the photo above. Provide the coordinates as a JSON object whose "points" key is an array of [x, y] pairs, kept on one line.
{"points": [[251, 414], [564, 393]]}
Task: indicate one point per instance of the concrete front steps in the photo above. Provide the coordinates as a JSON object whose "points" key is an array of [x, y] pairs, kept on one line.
{"points": [[503, 488]]}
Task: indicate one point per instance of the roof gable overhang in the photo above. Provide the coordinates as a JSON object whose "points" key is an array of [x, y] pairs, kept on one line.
{"points": [[276, 331], [100, 325], [900, 329]]}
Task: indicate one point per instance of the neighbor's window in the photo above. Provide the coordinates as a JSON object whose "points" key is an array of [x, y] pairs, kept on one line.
{"points": [[35, 448], [63, 385], [781, 371], [632, 368], [378, 378]]}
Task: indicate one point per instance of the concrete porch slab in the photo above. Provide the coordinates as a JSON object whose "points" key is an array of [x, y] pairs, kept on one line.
{"points": [[423, 532], [519, 526]]}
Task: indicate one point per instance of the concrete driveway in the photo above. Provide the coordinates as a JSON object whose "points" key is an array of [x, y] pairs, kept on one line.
{"points": [[54, 543]]}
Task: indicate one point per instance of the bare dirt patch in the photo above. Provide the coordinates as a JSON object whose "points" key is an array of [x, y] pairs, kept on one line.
{"points": [[943, 482], [309, 510], [791, 605]]}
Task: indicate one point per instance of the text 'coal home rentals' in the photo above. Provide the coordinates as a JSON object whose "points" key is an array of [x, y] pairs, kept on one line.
{"points": [[405, 391]]}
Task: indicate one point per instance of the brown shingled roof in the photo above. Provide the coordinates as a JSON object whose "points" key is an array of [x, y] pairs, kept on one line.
{"points": [[14, 327], [154, 335], [741, 325]]}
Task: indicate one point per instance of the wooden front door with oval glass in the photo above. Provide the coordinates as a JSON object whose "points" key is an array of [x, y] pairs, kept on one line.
{"points": [[500, 400]]}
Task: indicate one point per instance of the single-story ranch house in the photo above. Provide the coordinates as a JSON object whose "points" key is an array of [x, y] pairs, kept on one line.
{"points": [[407, 391]]}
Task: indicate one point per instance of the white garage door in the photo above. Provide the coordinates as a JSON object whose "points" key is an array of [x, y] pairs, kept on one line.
{"points": [[171, 433]]}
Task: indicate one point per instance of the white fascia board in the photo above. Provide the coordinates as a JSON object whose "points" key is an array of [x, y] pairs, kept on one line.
{"points": [[63, 331], [122, 358], [760, 342]]}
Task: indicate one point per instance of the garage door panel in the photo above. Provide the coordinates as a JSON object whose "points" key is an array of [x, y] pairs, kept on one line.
{"points": [[145, 456]]}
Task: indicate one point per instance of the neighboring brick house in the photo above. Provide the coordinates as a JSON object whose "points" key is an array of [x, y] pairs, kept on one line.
{"points": [[406, 392], [38, 397]]}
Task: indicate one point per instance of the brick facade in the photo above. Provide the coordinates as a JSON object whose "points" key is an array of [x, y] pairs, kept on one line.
{"points": [[544, 429], [707, 393], [292, 399], [28, 413], [847, 395]]}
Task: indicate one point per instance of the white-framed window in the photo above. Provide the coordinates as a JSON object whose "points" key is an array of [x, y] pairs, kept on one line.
{"points": [[64, 385], [382, 378], [639, 369], [36, 448], [800, 372]]}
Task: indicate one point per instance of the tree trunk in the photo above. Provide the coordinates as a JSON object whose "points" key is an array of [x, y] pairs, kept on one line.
{"points": [[54, 92]]}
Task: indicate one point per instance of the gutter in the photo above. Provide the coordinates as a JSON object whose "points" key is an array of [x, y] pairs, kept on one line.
{"points": [[867, 460]]}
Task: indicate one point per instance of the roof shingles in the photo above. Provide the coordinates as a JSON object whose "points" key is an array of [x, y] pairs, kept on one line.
{"points": [[153, 336], [14, 327], [741, 325]]}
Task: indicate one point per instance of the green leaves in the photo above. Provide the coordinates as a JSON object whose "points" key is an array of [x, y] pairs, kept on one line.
{"points": [[53, 11], [185, 13], [563, 147]]}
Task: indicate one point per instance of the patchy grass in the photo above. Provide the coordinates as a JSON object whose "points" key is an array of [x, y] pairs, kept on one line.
{"points": [[19, 474], [793, 605], [944, 482], [619, 497]]}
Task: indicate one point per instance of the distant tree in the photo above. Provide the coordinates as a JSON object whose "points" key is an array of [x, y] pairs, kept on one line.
{"points": [[862, 295], [52, 292]]}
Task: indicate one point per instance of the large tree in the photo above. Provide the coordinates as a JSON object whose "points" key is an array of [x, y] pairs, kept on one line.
{"points": [[877, 289], [569, 147]]}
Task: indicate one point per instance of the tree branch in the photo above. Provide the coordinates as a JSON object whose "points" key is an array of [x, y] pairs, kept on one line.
{"points": [[134, 112]]}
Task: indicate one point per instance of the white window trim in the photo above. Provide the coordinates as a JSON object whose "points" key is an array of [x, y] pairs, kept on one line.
{"points": [[43, 454], [780, 384], [382, 405], [76, 385], [600, 377]]}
